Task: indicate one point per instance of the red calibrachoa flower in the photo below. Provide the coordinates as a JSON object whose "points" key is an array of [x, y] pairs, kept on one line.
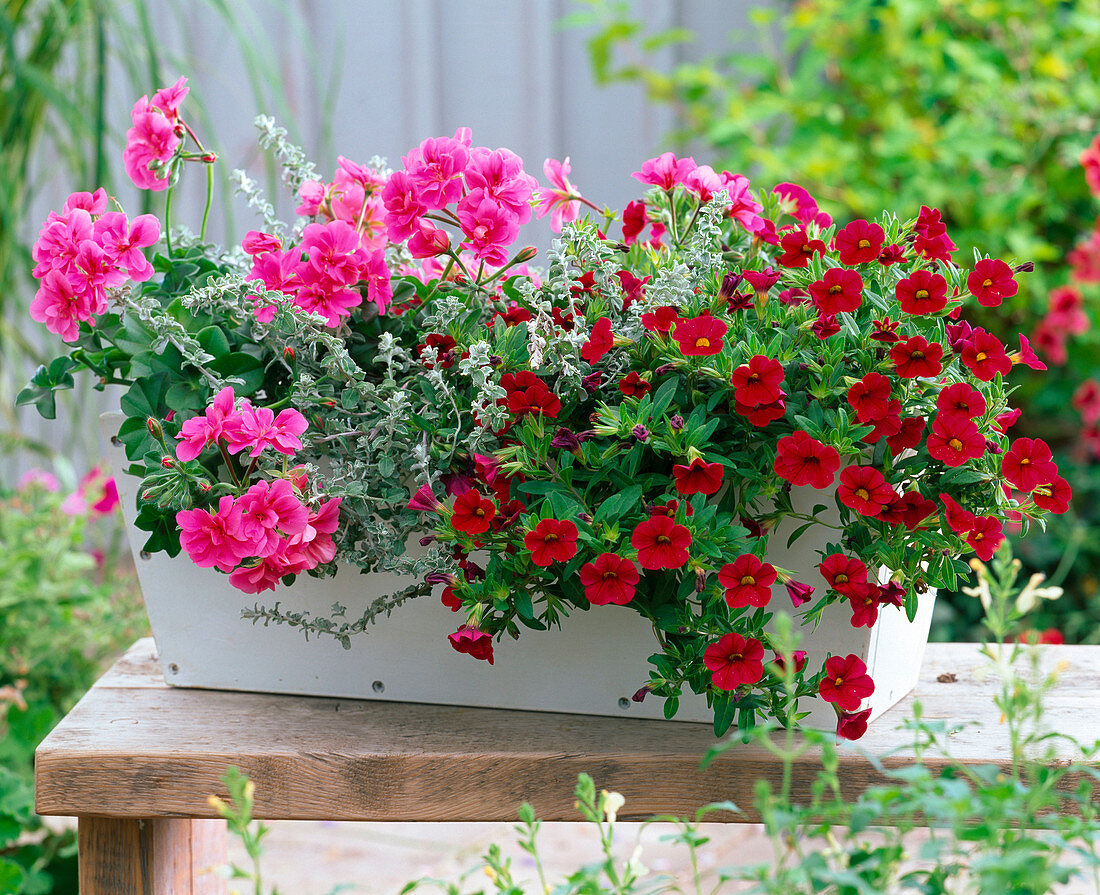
{"points": [[985, 356], [757, 382], [529, 394], [825, 326], [803, 460], [917, 358], [442, 345], [599, 343], [633, 386], [886, 331], [864, 608], [923, 292], [798, 592], [837, 291], [661, 543], [991, 282], [859, 242], [985, 537], [846, 682], [734, 661], [909, 509], [1054, 496], [960, 399], [846, 575], [852, 725], [955, 439], [699, 336], [472, 513], [864, 489], [886, 425], [698, 477], [931, 238], [798, 659], [552, 540], [609, 579], [908, 437], [763, 414], [798, 249], [959, 520], [870, 397], [478, 644], [660, 320], [748, 581], [1028, 464]]}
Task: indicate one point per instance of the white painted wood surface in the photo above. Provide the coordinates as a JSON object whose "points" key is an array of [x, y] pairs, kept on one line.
{"points": [[591, 666]]}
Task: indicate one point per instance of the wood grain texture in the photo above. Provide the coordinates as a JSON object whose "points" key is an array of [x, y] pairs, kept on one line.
{"points": [[158, 856], [134, 747]]}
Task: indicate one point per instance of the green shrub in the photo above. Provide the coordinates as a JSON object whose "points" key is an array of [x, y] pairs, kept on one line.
{"points": [[63, 613]]}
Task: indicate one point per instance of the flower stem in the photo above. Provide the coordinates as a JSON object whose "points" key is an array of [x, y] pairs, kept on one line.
{"points": [[209, 201], [168, 221]]}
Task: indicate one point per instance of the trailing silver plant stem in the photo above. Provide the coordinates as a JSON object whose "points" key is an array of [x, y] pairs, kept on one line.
{"points": [[297, 168], [243, 185]]}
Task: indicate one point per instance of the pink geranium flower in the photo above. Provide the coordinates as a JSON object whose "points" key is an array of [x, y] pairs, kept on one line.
{"points": [[93, 203], [122, 242], [665, 171], [199, 431], [403, 206], [436, 167], [269, 509], [489, 227], [499, 172], [562, 199], [152, 138], [258, 428], [214, 540], [59, 240], [59, 307]]}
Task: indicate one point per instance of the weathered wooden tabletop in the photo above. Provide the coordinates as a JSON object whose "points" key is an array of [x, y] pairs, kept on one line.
{"points": [[136, 748]]}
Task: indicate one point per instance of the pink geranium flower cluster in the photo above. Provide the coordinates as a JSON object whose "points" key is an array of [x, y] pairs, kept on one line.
{"points": [[483, 192], [154, 137], [238, 426], [266, 532], [80, 254], [261, 536]]}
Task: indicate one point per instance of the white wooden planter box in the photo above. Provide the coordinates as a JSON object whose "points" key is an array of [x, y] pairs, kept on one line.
{"points": [[591, 666]]}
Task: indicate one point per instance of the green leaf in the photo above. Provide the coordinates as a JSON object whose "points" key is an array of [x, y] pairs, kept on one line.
{"points": [[724, 711], [614, 507], [241, 366], [214, 340], [47, 380], [146, 398]]}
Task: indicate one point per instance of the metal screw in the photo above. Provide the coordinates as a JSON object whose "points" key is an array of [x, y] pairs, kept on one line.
{"points": [[378, 687], [116, 441], [624, 703], [145, 555], [173, 668]]}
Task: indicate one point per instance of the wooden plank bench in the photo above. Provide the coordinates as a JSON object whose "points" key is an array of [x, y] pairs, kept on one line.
{"points": [[136, 760]]}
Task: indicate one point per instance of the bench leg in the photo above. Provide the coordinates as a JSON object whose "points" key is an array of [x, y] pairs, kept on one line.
{"points": [[157, 856]]}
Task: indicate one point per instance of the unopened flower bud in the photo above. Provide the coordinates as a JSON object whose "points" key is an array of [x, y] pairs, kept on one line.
{"points": [[730, 282], [526, 254], [495, 360], [585, 517], [204, 487], [209, 158], [676, 422], [642, 693], [169, 416], [664, 368], [592, 381], [700, 580], [1026, 267], [288, 354], [167, 462], [154, 428], [426, 540], [993, 447], [640, 432]]}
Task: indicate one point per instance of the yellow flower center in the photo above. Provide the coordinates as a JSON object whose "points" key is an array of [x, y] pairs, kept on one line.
{"points": [[922, 294], [987, 282], [702, 342], [748, 580], [863, 494], [981, 356], [864, 244], [955, 444]]}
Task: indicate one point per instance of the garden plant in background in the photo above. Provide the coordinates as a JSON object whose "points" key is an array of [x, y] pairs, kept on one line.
{"points": [[1033, 829], [981, 110], [629, 426], [67, 606]]}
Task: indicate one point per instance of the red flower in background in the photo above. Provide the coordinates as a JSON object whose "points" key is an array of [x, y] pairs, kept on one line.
{"points": [[798, 249], [916, 357], [931, 238], [886, 330], [734, 660], [698, 477], [699, 336], [846, 682], [908, 437], [852, 725], [959, 520], [633, 386], [551, 540], [763, 414], [1054, 496], [859, 242], [599, 342], [472, 513], [870, 397], [955, 439], [748, 581], [757, 382], [846, 575], [660, 320], [960, 399], [991, 282], [864, 608], [923, 292], [803, 460], [985, 537], [825, 326], [609, 579], [985, 356], [661, 543], [478, 644], [1028, 464], [529, 394], [864, 489], [838, 290]]}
